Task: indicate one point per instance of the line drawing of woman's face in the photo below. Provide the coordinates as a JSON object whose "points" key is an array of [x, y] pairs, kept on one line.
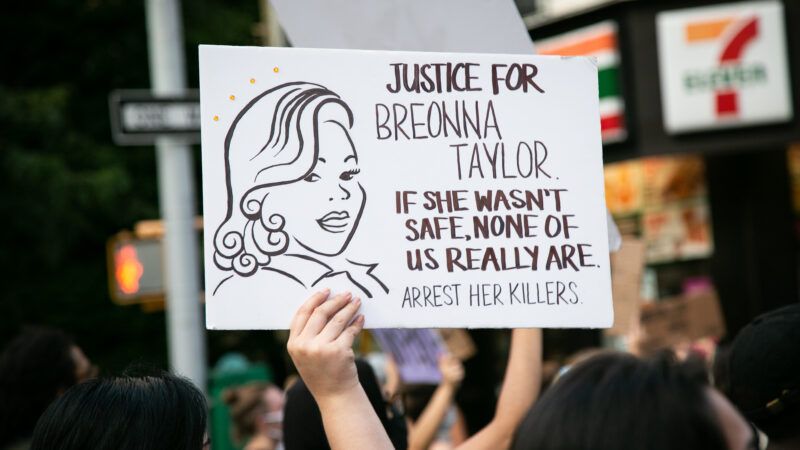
{"points": [[323, 209], [292, 178]]}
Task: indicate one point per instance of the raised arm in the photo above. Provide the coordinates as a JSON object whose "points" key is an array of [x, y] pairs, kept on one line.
{"points": [[422, 432], [321, 346], [520, 389]]}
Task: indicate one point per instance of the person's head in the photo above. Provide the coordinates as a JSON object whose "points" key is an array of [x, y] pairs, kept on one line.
{"points": [[615, 401], [36, 367], [302, 421], [763, 373], [125, 413], [255, 408], [292, 177], [415, 397]]}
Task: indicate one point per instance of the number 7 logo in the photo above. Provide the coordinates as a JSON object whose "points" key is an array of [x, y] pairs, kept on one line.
{"points": [[727, 99]]}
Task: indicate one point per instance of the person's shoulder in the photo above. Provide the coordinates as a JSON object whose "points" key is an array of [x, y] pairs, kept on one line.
{"points": [[791, 444], [259, 279], [24, 444], [369, 278]]}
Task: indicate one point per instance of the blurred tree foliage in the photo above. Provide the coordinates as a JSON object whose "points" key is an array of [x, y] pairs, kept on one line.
{"points": [[65, 188]]}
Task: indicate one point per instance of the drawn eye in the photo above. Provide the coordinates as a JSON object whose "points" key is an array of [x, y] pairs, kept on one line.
{"points": [[312, 178], [346, 176]]}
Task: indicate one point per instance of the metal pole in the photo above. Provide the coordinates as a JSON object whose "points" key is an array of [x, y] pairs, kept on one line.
{"points": [[185, 333], [268, 30], [275, 36]]}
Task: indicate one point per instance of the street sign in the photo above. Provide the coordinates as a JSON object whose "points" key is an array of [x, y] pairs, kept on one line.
{"points": [[138, 117]]}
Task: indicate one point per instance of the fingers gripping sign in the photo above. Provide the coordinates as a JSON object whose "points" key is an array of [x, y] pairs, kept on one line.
{"points": [[301, 316], [320, 342]]}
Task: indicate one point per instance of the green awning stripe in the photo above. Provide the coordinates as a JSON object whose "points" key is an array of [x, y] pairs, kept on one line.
{"points": [[608, 79]]}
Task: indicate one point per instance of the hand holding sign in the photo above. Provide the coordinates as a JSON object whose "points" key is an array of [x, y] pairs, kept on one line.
{"points": [[321, 343], [451, 369], [321, 346], [326, 364]]}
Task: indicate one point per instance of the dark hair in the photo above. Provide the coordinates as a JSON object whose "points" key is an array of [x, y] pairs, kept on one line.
{"points": [[763, 372], [415, 398], [160, 411], [618, 402], [302, 421], [34, 368]]}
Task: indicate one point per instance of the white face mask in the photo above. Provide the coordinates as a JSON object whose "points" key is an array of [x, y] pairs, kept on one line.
{"points": [[275, 417], [275, 420]]}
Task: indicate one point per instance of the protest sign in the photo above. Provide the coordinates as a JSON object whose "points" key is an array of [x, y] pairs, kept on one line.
{"points": [[446, 190], [680, 320], [416, 353], [627, 266], [483, 26]]}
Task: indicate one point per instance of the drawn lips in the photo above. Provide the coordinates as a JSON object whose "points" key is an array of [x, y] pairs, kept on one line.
{"points": [[335, 221]]}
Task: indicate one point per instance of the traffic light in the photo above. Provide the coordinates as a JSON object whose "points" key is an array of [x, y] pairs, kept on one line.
{"points": [[128, 269], [135, 269]]}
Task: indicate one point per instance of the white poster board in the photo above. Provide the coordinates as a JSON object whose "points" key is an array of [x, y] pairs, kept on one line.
{"points": [[723, 66], [478, 206], [483, 26]]}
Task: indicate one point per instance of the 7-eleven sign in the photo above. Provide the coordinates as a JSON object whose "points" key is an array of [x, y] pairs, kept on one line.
{"points": [[723, 66]]}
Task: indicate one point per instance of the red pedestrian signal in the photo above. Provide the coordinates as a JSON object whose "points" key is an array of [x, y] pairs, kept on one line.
{"points": [[136, 265], [129, 269], [135, 269]]}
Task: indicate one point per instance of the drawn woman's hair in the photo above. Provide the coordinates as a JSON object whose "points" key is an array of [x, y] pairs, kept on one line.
{"points": [[273, 141]]}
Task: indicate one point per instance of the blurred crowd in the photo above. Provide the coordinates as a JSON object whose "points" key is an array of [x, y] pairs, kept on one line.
{"points": [[741, 396]]}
